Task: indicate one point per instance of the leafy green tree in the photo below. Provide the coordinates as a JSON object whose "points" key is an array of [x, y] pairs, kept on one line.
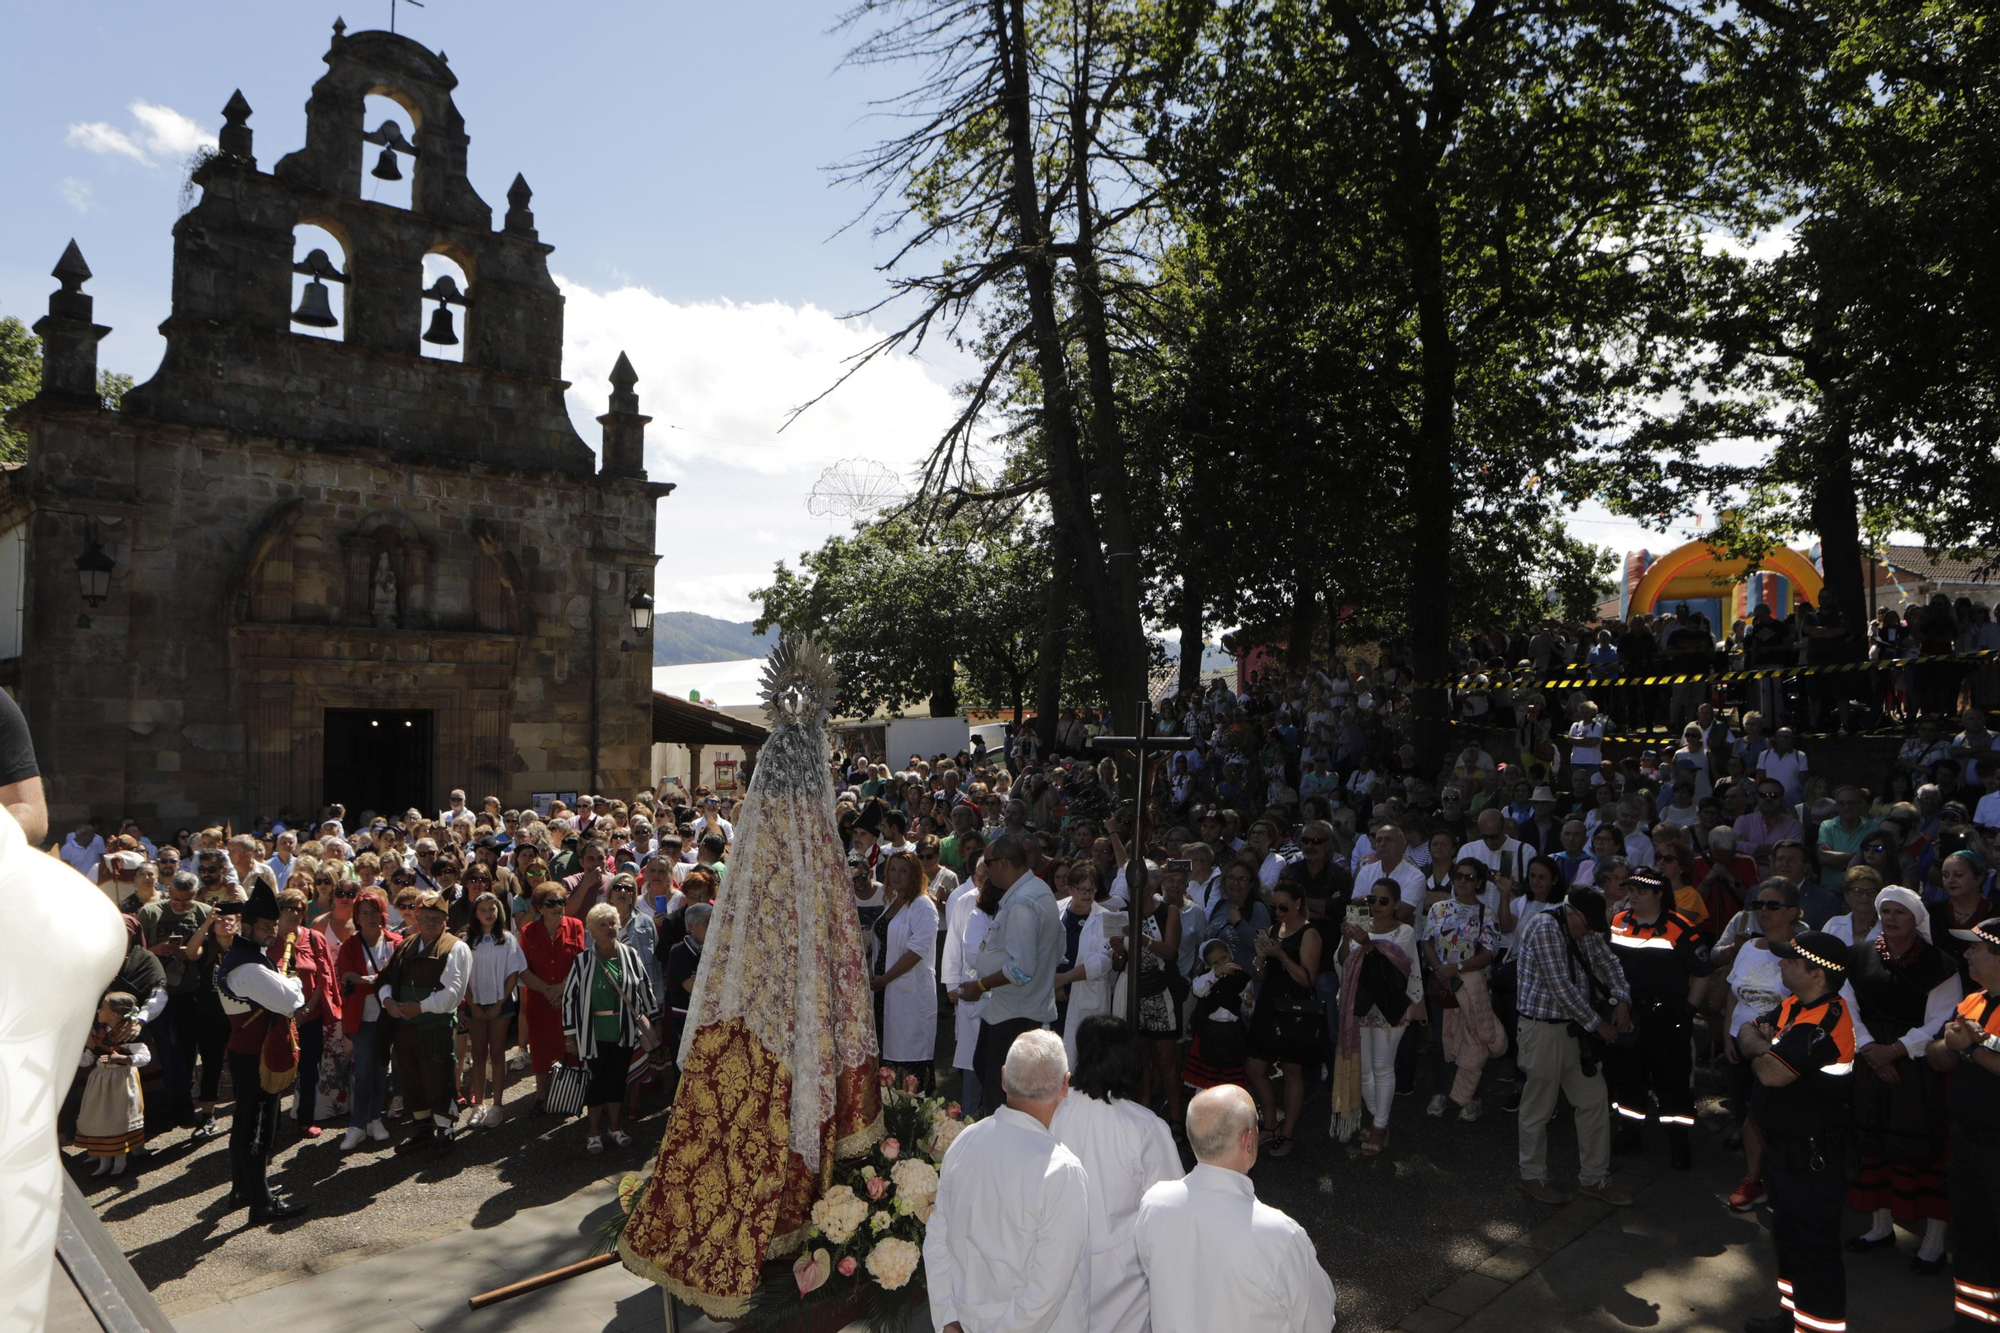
{"points": [[1478, 205], [1853, 374], [20, 379]]}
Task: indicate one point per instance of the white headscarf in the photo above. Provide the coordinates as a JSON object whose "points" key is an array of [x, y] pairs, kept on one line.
{"points": [[1907, 898]]}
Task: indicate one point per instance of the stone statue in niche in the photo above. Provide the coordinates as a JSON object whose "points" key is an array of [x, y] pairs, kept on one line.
{"points": [[384, 592]]}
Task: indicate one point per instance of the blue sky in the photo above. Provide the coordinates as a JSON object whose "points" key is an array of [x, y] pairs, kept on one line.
{"points": [[678, 155]]}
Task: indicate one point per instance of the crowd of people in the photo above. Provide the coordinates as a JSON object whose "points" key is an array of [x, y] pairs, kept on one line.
{"points": [[1320, 916]]}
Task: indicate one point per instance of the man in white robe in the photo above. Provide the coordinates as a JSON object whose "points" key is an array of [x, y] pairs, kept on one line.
{"points": [[1007, 1249], [1216, 1258]]}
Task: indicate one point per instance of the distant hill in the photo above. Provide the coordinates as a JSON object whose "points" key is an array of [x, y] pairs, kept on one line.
{"points": [[687, 636]]}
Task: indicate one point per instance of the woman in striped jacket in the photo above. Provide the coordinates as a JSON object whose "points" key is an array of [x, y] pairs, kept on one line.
{"points": [[605, 1004]]}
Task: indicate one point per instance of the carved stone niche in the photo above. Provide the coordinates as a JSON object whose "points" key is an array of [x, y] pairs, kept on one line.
{"points": [[388, 566]]}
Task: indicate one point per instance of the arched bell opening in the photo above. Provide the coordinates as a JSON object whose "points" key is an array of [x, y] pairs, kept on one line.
{"points": [[319, 283], [388, 151], [447, 307]]}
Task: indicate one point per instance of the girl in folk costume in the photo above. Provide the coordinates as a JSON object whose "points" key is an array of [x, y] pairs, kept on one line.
{"points": [[1901, 988], [1461, 940], [112, 1121], [778, 1061]]}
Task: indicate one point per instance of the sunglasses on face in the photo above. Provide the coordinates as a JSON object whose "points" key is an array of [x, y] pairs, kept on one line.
{"points": [[1771, 795], [1379, 901], [1465, 876], [1312, 842], [1768, 905], [347, 893]]}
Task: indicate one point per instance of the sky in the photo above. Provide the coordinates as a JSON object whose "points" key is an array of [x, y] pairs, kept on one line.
{"points": [[679, 153]]}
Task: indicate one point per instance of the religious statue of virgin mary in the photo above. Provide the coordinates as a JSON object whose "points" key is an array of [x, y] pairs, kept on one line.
{"points": [[778, 1059]]}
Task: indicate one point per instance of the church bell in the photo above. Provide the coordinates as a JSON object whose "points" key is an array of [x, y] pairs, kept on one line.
{"points": [[314, 310], [440, 331], [385, 167]]}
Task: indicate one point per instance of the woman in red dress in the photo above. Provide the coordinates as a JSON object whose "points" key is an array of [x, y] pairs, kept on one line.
{"points": [[551, 942]]}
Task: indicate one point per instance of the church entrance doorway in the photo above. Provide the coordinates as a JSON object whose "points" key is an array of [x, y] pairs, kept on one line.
{"points": [[379, 759]]}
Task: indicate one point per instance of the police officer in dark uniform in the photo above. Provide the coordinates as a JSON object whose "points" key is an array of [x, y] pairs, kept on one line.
{"points": [[1802, 1057], [260, 1000], [1969, 1048], [1662, 954]]}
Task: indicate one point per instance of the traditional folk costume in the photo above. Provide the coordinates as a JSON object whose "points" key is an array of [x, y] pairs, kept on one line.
{"points": [[259, 998], [112, 1120], [778, 1059], [433, 977], [1900, 1126]]}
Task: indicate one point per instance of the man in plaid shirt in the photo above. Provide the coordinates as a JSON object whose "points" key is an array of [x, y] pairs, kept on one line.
{"points": [[1561, 955]]}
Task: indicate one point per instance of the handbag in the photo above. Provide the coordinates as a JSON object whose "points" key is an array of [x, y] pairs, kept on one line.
{"points": [[567, 1084]]}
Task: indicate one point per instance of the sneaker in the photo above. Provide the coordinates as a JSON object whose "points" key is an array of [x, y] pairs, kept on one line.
{"points": [[378, 1131], [492, 1116], [517, 1063], [352, 1138], [1438, 1103], [1603, 1193], [1749, 1193], [309, 1131], [1471, 1111]]}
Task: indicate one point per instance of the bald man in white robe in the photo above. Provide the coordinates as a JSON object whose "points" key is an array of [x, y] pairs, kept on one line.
{"points": [[1007, 1248], [1216, 1258]]}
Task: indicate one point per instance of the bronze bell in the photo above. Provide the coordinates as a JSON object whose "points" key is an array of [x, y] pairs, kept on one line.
{"points": [[314, 310], [440, 331], [386, 168]]}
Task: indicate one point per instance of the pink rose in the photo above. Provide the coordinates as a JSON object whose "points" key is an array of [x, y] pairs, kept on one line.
{"points": [[810, 1272], [952, 1109], [891, 1149], [878, 1187], [909, 1083], [847, 1266], [887, 1077]]}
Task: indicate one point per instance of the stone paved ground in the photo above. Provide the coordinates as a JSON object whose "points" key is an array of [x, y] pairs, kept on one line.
{"points": [[1429, 1236]]}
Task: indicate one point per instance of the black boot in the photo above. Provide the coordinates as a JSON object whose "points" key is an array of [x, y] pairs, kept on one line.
{"points": [[276, 1208], [419, 1141], [1680, 1151]]}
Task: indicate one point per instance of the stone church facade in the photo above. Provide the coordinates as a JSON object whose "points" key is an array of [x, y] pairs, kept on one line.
{"points": [[340, 569]]}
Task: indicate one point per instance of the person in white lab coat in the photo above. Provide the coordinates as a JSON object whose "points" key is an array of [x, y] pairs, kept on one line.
{"points": [[1213, 1256], [906, 969], [965, 924], [1083, 987], [1126, 1150], [1007, 1245]]}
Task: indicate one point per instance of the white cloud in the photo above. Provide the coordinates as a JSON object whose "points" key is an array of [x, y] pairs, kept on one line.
{"points": [[99, 137], [719, 379], [168, 132], [75, 193], [164, 134]]}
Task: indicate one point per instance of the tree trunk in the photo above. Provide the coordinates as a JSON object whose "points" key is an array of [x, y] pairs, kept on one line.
{"points": [[1836, 515], [1304, 622], [1103, 550], [1049, 660], [1434, 500], [1191, 627]]}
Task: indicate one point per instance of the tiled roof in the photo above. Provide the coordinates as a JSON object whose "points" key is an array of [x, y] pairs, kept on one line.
{"points": [[1980, 567]]}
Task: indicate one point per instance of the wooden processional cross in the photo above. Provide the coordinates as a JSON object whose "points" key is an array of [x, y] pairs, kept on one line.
{"points": [[1146, 750]]}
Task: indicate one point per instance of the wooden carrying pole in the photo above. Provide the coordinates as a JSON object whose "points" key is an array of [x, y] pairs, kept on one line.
{"points": [[1142, 744], [536, 1283]]}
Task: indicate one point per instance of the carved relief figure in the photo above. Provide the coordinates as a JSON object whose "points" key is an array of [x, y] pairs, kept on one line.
{"points": [[384, 584]]}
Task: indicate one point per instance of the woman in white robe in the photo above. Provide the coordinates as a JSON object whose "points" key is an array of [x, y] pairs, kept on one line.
{"points": [[907, 974], [1084, 988], [1125, 1150]]}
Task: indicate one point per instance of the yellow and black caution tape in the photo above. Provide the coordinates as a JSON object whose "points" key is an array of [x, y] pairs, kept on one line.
{"points": [[1564, 680]]}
